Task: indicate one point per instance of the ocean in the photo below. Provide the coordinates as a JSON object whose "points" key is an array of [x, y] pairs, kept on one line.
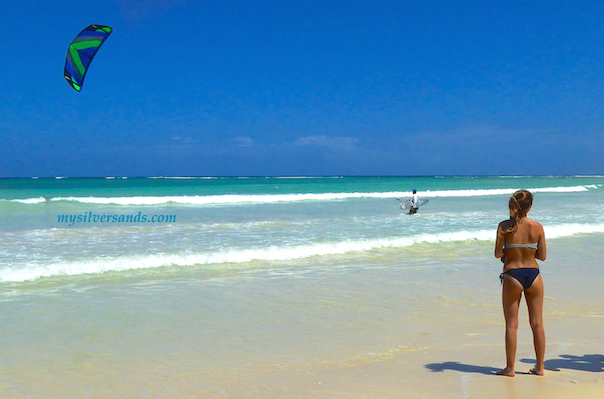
{"points": [[227, 287]]}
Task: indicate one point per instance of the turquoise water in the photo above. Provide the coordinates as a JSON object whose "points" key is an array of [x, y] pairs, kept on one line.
{"points": [[80, 227], [280, 272]]}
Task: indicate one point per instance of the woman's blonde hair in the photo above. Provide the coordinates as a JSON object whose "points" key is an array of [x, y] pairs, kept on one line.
{"points": [[519, 205]]}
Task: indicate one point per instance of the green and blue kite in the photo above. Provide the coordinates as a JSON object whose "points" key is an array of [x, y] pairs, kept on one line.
{"points": [[81, 52]]}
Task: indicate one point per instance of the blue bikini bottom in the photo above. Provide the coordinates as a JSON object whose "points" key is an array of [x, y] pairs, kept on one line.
{"points": [[525, 275]]}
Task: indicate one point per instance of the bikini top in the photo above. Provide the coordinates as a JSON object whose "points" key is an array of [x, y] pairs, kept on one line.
{"points": [[532, 245]]}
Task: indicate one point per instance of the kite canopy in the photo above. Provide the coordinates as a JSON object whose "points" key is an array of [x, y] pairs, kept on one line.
{"points": [[81, 52]]}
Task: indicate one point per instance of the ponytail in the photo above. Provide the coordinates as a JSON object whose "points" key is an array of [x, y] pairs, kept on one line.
{"points": [[519, 205]]}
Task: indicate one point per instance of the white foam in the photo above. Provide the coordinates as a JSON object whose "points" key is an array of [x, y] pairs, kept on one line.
{"points": [[235, 199], [502, 191], [30, 200], [235, 256], [272, 253], [571, 229]]}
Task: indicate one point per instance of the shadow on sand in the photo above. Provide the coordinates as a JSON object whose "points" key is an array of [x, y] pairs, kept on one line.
{"points": [[592, 363], [464, 368]]}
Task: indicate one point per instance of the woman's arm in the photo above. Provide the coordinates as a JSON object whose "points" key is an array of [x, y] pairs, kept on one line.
{"points": [[499, 242], [541, 247]]}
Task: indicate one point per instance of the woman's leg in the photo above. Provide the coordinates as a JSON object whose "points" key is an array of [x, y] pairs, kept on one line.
{"points": [[512, 293], [534, 300]]}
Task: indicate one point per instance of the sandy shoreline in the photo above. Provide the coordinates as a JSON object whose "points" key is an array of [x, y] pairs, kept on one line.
{"points": [[572, 371], [400, 377], [432, 368], [405, 378]]}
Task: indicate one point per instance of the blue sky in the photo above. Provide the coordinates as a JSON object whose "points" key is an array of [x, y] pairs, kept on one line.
{"points": [[223, 88]]}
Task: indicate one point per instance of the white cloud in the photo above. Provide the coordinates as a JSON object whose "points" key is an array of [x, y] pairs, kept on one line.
{"points": [[325, 141], [243, 142]]}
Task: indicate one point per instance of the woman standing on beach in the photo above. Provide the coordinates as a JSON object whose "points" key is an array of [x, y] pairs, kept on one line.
{"points": [[520, 241]]}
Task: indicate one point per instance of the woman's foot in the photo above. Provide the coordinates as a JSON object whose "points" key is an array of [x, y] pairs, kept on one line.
{"points": [[506, 372], [537, 372]]}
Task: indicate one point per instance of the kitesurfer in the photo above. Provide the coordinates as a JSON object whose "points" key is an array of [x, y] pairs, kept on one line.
{"points": [[414, 203]]}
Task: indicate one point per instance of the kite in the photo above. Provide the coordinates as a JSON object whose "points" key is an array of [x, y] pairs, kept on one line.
{"points": [[81, 52]]}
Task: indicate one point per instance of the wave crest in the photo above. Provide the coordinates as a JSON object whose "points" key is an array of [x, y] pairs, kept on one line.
{"points": [[270, 253], [234, 199]]}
